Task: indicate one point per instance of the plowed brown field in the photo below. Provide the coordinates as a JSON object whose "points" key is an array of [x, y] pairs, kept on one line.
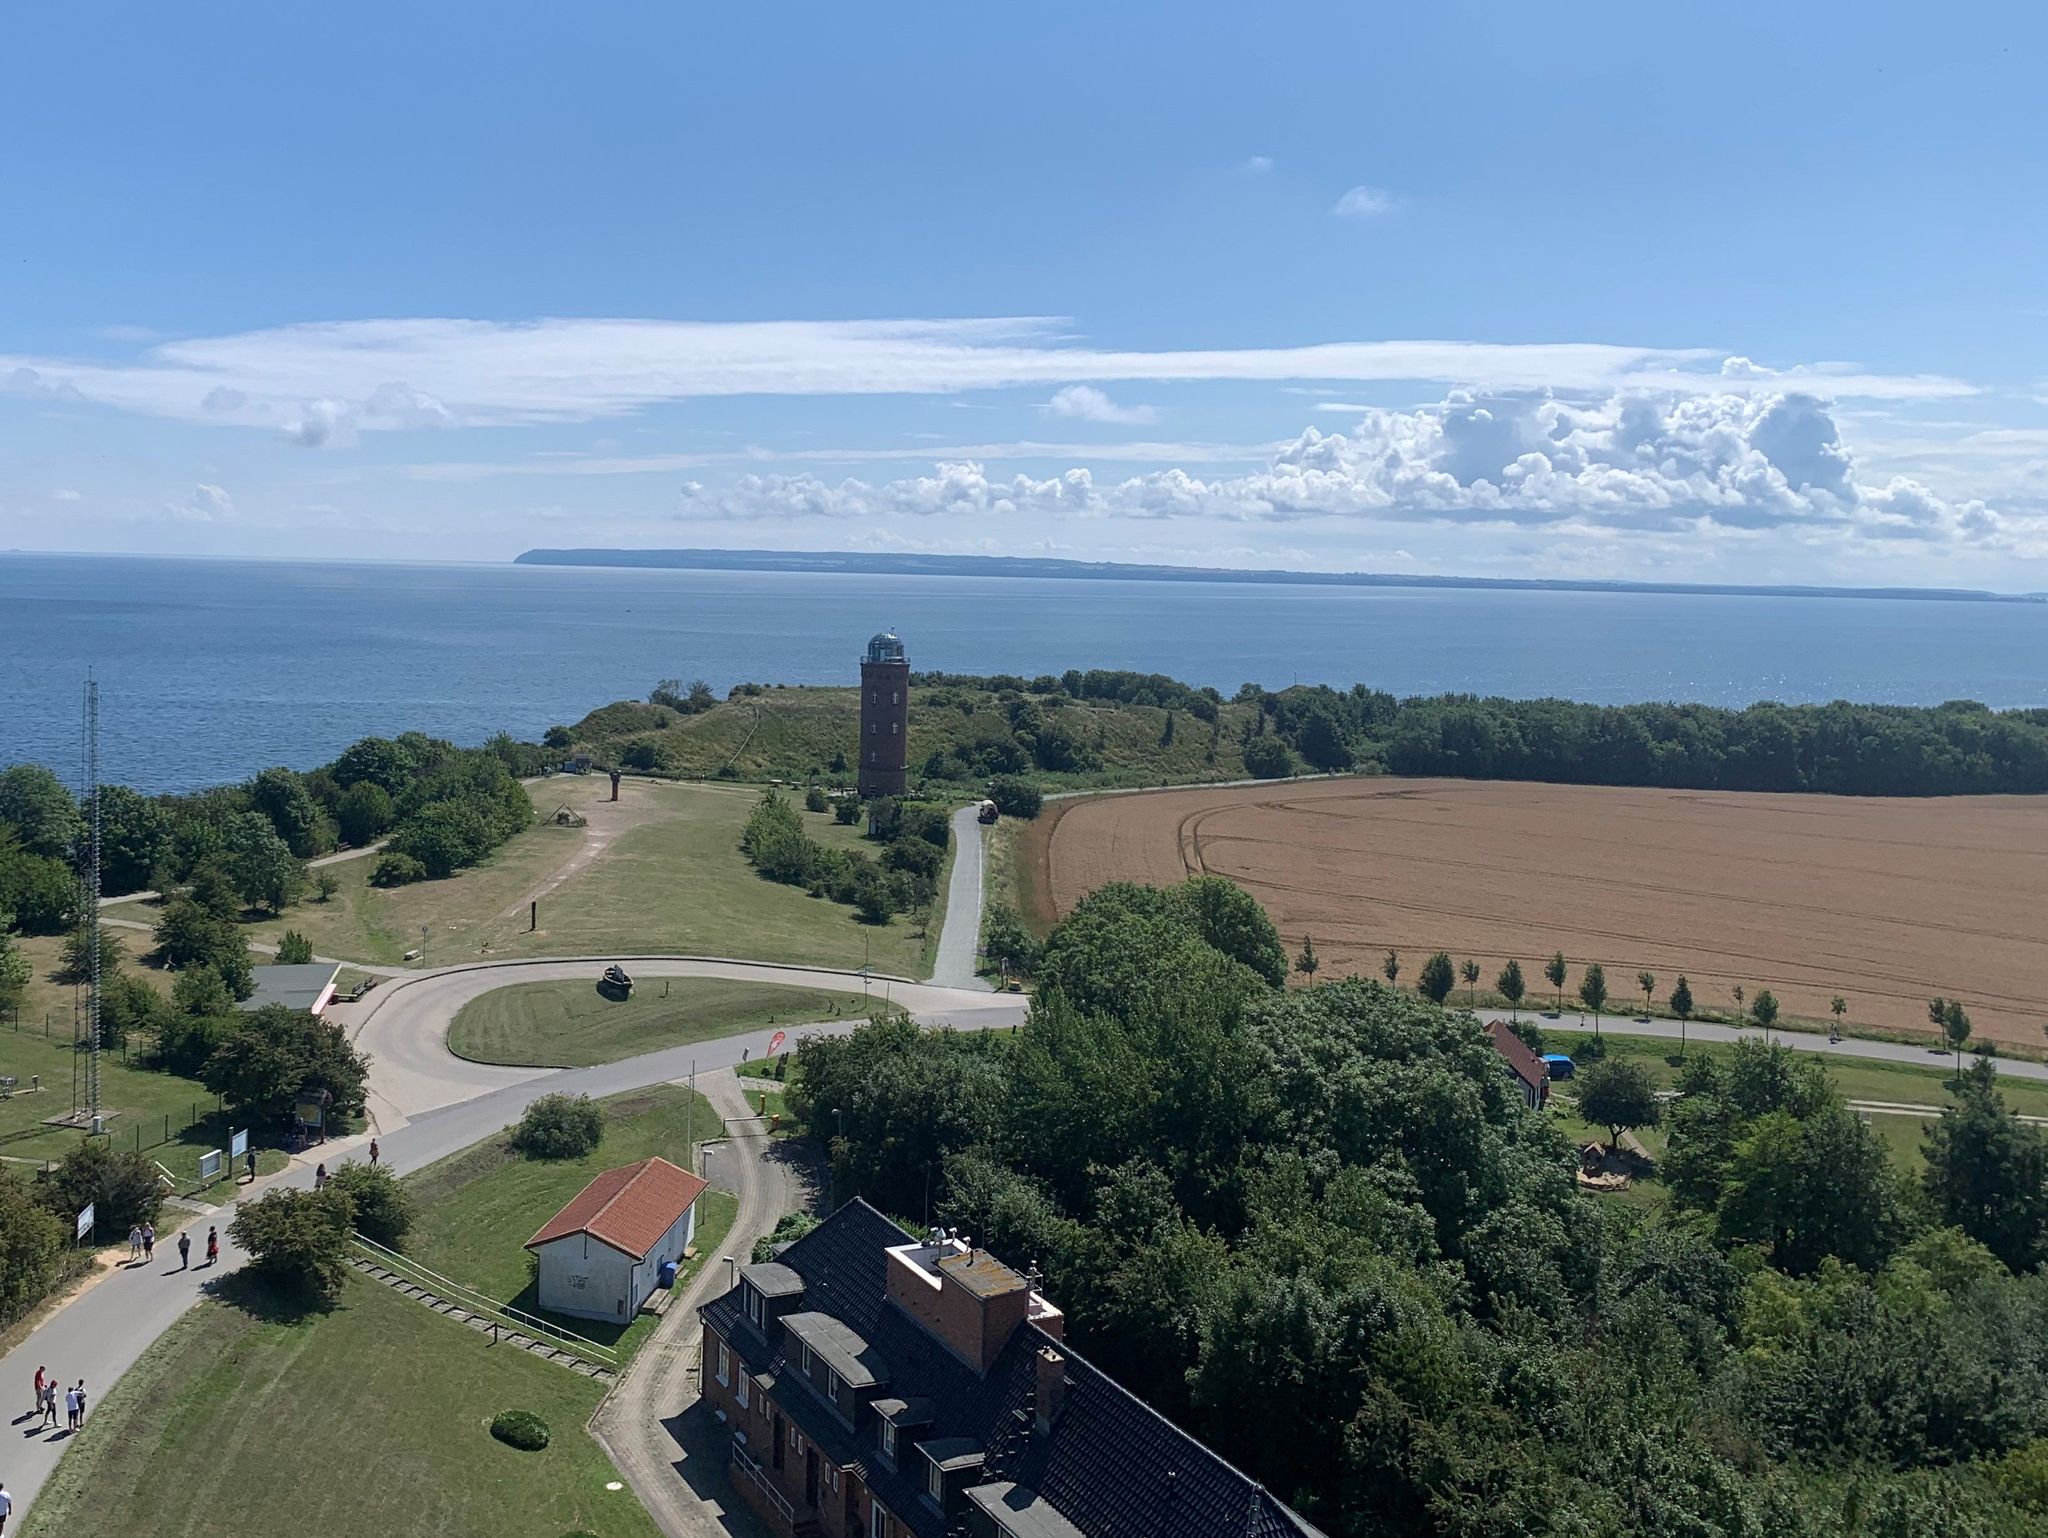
{"points": [[1886, 902]]}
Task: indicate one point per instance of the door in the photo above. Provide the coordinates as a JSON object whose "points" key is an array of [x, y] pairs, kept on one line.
{"points": [[811, 1477], [781, 1438]]}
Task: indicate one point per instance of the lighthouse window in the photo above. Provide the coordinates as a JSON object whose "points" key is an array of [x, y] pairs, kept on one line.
{"points": [[892, 728], [892, 696]]}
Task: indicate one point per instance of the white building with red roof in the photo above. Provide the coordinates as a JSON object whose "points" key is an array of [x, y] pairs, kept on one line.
{"points": [[601, 1256]]}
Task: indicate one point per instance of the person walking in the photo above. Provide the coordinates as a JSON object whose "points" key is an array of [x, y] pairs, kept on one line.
{"points": [[320, 1178], [375, 1155], [71, 1409], [212, 1245], [42, 1377], [50, 1403], [149, 1241], [250, 1160], [81, 1401], [134, 1242], [6, 1505], [184, 1252]]}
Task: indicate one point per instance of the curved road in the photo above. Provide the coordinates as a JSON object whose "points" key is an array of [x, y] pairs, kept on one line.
{"points": [[960, 935]]}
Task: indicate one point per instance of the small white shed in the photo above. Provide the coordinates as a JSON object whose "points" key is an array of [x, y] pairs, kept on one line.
{"points": [[601, 1255]]}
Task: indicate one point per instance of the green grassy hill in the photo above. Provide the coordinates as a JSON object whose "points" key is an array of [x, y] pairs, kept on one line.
{"points": [[958, 735]]}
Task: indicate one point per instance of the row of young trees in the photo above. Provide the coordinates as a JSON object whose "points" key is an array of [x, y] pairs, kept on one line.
{"points": [[1319, 1227]]}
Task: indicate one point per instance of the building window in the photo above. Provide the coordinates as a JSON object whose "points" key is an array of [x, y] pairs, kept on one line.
{"points": [[741, 1393], [892, 728], [878, 1521], [754, 1307], [807, 1359], [892, 696], [889, 1441], [935, 1482], [724, 1363]]}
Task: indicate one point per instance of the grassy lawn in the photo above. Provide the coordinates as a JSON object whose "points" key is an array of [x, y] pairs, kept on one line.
{"points": [[480, 1206], [572, 1025], [138, 1101], [1857, 1078], [671, 881], [368, 1419]]}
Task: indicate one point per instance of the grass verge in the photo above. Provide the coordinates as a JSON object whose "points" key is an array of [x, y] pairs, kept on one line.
{"points": [[367, 1419], [573, 1025], [480, 1206]]}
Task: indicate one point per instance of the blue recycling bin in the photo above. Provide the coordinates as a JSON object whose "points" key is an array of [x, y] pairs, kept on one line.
{"points": [[668, 1273]]}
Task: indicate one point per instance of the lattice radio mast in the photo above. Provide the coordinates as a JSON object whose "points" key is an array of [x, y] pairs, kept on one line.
{"points": [[90, 895]]}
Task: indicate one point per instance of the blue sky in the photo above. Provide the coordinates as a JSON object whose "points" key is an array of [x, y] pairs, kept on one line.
{"points": [[1616, 291]]}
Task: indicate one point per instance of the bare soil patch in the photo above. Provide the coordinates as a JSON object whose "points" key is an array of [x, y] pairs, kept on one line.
{"points": [[1886, 902]]}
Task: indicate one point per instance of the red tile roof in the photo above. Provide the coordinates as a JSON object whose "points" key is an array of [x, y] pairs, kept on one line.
{"points": [[1524, 1064], [628, 1209]]}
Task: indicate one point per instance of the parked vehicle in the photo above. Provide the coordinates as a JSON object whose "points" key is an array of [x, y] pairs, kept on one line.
{"points": [[986, 812], [1560, 1066]]}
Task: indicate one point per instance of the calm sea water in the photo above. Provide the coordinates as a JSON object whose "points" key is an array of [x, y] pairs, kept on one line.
{"points": [[210, 670]]}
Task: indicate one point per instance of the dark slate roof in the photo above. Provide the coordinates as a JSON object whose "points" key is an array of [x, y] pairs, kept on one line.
{"points": [[772, 1280], [858, 1364], [1111, 1465]]}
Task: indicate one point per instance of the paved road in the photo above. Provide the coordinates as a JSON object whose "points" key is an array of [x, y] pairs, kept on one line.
{"points": [[403, 1025], [960, 937], [1798, 1041], [646, 1423]]}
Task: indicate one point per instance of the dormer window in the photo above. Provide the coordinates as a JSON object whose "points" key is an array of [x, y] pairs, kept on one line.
{"points": [[754, 1308], [935, 1482], [807, 1359], [888, 1441]]}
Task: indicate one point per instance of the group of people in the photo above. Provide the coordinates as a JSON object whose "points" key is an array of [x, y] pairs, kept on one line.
{"points": [[142, 1242], [142, 1245], [46, 1401]]}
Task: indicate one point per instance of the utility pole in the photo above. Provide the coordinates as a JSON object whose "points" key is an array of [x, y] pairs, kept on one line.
{"points": [[690, 1120], [90, 897]]}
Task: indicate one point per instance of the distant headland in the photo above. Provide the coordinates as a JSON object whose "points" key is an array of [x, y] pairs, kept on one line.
{"points": [[911, 565]]}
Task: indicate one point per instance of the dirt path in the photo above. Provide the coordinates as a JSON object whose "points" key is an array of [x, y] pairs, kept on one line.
{"points": [[649, 1423]]}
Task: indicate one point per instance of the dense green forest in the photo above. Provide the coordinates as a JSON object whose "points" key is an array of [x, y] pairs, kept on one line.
{"points": [[1109, 727], [1320, 1228]]}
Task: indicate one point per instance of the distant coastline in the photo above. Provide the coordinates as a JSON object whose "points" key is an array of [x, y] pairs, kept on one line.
{"points": [[849, 561]]}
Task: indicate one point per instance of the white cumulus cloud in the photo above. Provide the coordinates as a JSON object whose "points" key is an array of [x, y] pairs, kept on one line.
{"points": [[1625, 464], [203, 504], [1089, 404], [1362, 202]]}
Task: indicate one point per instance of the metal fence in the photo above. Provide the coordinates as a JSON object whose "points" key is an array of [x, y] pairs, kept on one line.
{"points": [[476, 1303]]}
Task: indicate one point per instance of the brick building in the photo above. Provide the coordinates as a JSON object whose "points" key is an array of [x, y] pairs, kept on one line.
{"points": [[875, 1386], [884, 768]]}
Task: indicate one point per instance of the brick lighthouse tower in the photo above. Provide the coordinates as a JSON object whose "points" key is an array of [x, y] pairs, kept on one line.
{"points": [[884, 718]]}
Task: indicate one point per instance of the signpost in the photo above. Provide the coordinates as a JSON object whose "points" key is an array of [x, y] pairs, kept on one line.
{"points": [[85, 1222], [210, 1166], [238, 1143]]}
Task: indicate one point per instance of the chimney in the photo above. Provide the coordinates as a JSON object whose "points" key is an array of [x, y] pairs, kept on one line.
{"points": [[966, 1297], [1051, 1389]]}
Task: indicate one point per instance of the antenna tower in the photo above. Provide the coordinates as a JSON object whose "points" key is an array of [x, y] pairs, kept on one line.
{"points": [[90, 896]]}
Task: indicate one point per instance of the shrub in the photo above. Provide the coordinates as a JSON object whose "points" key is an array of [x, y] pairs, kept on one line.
{"points": [[397, 870], [815, 799], [122, 1187], [846, 811], [298, 1237], [559, 1127], [521, 1429], [293, 949], [384, 1209], [1267, 758], [1015, 797]]}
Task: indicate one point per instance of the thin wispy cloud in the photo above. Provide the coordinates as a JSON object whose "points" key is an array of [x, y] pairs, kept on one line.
{"points": [[326, 383], [1363, 202], [1258, 165]]}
